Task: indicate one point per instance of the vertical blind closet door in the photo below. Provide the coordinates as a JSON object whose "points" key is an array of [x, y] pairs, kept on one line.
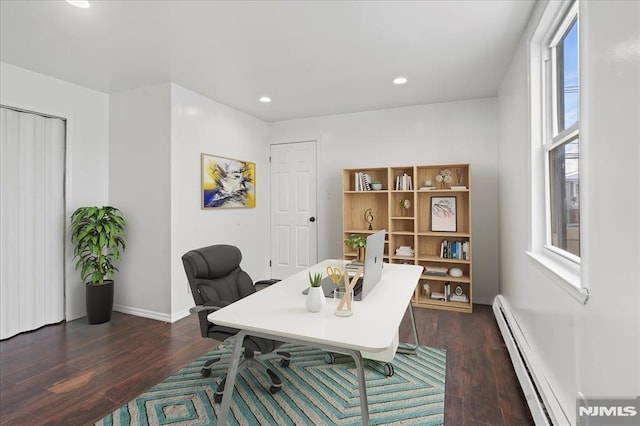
{"points": [[32, 222]]}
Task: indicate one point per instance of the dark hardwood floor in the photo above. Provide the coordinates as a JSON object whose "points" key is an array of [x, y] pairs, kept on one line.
{"points": [[74, 373]]}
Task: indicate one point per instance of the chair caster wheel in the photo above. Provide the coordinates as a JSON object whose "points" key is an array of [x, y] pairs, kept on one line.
{"points": [[217, 398], [206, 372], [330, 358], [388, 369], [274, 389], [285, 362]]}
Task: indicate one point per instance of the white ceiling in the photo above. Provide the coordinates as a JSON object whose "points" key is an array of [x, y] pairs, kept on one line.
{"points": [[312, 58]]}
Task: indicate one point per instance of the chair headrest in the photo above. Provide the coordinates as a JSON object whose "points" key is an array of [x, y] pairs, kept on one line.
{"points": [[213, 261]]}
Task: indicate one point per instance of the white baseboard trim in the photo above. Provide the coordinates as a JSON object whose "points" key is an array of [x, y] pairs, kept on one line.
{"points": [[543, 404], [180, 315], [159, 316], [151, 314]]}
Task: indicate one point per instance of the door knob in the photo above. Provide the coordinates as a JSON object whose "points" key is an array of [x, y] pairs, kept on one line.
{"points": [[312, 219]]}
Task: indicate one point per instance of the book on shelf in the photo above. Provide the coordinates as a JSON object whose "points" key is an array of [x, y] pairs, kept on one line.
{"points": [[404, 183], [362, 181], [426, 188], [437, 296], [454, 250]]}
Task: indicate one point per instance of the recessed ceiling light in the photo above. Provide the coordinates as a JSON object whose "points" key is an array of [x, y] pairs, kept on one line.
{"points": [[79, 3], [265, 99], [400, 80]]}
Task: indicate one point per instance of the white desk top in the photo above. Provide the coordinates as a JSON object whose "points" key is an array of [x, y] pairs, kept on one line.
{"points": [[279, 310]]}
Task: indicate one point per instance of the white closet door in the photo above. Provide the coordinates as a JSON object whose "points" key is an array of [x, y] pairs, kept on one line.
{"points": [[32, 164]]}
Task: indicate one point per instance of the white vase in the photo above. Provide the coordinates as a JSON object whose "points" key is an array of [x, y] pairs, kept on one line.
{"points": [[315, 299]]}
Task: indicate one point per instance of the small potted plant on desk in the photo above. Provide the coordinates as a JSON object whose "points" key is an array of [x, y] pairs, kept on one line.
{"points": [[98, 235], [315, 298], [358, 243], [376, 185]]}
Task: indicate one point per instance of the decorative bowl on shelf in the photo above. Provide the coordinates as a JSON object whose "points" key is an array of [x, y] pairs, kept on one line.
{"points": [[455, 272]]}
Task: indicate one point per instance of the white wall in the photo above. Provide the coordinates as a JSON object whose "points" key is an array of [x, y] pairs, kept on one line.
{"points": [[456, 132], [87, 155], [590, 349], [157, 136], [140, 186], [200, 125]]}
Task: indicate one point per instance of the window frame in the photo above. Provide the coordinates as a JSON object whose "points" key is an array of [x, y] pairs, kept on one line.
{"points": [[562, 266]]}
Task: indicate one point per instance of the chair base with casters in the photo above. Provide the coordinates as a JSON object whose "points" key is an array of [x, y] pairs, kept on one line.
{"points": [[251, 360], [330, 358]]}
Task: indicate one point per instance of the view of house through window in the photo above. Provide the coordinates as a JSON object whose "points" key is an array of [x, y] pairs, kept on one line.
{"points": [[563, 148]]}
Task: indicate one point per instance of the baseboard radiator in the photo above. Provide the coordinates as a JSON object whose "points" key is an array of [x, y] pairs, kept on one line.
{"points": [[543, 404]]}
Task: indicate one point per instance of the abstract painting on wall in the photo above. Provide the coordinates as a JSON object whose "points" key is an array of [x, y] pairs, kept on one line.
{"points": [[227, 182]]}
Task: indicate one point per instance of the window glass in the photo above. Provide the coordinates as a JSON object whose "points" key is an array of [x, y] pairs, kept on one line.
{"points": [[564, 191], [568, 78]]}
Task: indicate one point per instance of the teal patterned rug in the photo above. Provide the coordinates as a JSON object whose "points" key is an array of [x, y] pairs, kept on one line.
{"points": [[313, 393]]}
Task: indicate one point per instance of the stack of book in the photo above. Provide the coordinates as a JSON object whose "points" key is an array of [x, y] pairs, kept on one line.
{"points": [[440, 271], [461, 298], [437, 296], [353, 266], [405, 251]]}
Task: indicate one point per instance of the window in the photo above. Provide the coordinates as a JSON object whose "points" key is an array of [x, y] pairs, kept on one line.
{"points": [[563, 143], [555, 137]]}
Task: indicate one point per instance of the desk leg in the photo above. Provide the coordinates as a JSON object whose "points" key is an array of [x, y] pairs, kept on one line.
{"points": [[407, 349], [364, 402], [231, 378]]}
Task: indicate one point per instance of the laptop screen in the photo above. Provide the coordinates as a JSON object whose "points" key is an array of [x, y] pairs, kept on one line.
{"points": [[373, 260]]}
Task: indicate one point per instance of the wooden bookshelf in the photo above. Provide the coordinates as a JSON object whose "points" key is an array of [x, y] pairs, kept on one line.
{"points": [[412, 227]]}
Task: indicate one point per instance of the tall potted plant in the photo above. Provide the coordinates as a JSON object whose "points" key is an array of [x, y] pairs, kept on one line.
{"points": [[99, 237]]}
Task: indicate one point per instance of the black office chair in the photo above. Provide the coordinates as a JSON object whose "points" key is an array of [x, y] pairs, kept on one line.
{"points": [[216, 280]]}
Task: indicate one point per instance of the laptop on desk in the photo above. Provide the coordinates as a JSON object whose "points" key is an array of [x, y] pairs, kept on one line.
{"points": [[372, 269]]}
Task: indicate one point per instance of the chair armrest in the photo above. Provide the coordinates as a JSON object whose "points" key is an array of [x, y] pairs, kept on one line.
{"points": [[200, 308], [264, 283]]}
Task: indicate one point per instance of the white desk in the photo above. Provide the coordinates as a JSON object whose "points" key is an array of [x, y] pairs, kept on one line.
{"points": [[279, 312]]}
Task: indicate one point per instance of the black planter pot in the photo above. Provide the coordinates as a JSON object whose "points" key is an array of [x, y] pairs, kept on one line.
{"points": [[99, 302]]}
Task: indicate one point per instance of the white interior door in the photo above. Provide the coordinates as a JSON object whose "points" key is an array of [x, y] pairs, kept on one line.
{"points": [[32, 162], [294, 237]]}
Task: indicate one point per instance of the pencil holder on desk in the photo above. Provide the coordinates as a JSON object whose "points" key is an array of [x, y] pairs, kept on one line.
{"points": [[343, 302]]}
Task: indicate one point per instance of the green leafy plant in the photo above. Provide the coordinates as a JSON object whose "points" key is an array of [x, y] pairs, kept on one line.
{"points": [[354, 241], [99, 236], [375, 182], [315, 279]]}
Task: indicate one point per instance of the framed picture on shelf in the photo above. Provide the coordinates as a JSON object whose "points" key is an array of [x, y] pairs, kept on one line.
{"points": [[443, 214]]}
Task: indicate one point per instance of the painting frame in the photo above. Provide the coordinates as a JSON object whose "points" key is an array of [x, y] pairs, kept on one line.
{"points": [[226, 182], [444, 217]]}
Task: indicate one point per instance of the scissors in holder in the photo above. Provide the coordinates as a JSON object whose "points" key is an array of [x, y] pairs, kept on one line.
{"points": [[335, 275]]}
